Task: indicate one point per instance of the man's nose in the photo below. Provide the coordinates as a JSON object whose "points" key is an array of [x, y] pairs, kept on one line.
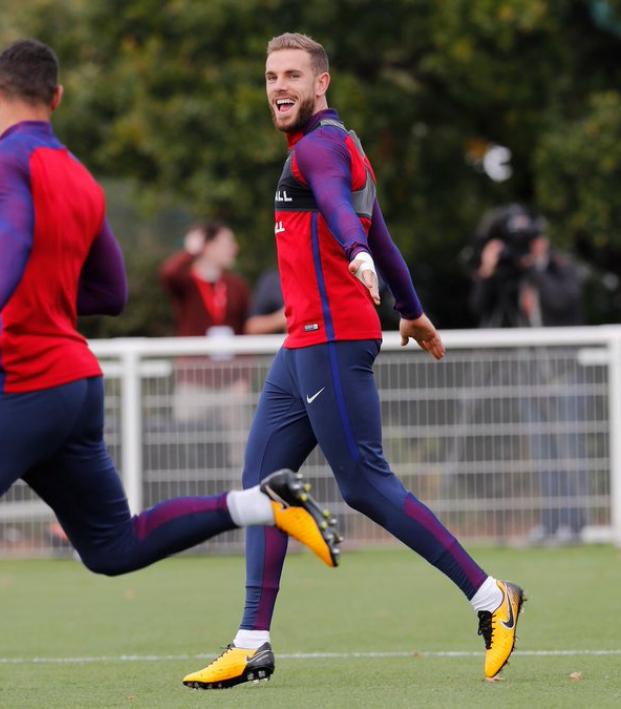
{"points": [[281, 83]]}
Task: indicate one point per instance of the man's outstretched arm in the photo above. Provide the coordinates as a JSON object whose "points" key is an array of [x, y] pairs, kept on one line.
{"points": [[393, 267], [414, 323]]}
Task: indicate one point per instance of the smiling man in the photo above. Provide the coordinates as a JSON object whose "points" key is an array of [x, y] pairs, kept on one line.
{"points": [[330, 234]]}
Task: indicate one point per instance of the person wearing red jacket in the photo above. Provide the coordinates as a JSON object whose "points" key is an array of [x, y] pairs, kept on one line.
{"points": [[210, 300], [204, 292]]}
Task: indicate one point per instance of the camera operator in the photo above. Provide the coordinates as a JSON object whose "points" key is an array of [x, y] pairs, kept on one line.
{"points": [[520, 281]]}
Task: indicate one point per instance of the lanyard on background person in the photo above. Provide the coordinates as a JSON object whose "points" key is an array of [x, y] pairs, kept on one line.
{"points": [[214, 296]]}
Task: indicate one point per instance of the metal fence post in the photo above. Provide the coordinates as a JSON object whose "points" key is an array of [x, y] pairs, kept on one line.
{"points": [[614, 405], [131, 437]]}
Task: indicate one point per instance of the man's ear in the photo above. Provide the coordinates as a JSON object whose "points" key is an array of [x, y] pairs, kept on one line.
{"points": [[321, 84], [57, 97]]}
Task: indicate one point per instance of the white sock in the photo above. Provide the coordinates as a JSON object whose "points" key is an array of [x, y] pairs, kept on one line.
{"points": [[250, 506], [251, 639], [488, 597]]}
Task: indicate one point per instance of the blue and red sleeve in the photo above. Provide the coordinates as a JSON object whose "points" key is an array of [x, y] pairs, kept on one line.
{"points": [[392, 266], [103, 282], [324, 164], [16, 222]]}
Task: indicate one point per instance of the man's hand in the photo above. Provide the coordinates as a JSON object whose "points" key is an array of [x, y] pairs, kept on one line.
{"points": [[194, 241], [364, 269], [423, 331], [529, 301], [489, 258]]}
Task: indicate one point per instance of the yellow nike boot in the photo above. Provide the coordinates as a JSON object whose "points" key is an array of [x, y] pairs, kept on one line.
{"points": [[498, 628], [234, 666], [297, 514]]}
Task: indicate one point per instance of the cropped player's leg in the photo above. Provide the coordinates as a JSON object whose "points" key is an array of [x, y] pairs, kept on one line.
{"points": [[346, 420], [82, 486], [32, 427]]}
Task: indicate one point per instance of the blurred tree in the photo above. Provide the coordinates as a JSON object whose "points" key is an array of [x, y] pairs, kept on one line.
{"points": [[577, 177], [170, 94]]}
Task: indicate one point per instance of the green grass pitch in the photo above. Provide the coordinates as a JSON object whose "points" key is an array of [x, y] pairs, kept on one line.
{"points": [[150, 628]]}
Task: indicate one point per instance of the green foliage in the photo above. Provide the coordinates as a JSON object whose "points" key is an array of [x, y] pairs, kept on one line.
{"points": [[579, 172], [170, 94]]}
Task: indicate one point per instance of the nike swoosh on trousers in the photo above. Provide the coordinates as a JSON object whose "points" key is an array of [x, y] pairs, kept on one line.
{"points": [[310, 399]]}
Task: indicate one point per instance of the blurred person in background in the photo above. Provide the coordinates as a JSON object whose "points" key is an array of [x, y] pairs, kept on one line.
{"points": [[519, 280], [210, 300], [59, 259], [267, 308], [330, 234]]}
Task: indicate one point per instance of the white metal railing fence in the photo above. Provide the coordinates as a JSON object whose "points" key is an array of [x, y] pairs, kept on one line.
{"points": [[514, 431]]}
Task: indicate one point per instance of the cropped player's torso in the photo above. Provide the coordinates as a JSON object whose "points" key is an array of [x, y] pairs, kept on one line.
{"points": [[323, 301], [61, 210]]}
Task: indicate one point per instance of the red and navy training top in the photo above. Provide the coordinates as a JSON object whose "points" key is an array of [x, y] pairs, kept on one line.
{"points": [[326, 211], [58, 259]]}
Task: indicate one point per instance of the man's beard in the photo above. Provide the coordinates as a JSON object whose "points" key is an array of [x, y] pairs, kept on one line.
{"points": [[305, 111]]}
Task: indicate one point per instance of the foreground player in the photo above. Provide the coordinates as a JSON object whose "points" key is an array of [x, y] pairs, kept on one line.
{"points": [[58, 258], [329, 234]]}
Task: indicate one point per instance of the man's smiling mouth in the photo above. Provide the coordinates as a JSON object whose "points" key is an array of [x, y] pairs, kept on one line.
{"points": [[284, 104]]}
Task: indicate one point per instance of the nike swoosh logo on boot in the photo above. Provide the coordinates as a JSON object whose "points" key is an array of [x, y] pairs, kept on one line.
{"points": [[510, 622]]}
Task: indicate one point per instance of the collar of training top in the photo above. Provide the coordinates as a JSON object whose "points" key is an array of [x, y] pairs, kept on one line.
{"points": [[313, 122], [44, 127]]}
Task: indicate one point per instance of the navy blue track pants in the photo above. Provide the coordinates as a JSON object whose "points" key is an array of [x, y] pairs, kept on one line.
{"points": [[53, 440], [326, 395]]}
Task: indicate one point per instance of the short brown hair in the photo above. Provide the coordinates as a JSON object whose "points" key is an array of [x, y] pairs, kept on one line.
{"points": [[211, 229], [295, 40], [29, 71]]}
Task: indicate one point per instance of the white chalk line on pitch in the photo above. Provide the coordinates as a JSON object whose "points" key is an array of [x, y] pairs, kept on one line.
{"points": [[447, 654]]}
